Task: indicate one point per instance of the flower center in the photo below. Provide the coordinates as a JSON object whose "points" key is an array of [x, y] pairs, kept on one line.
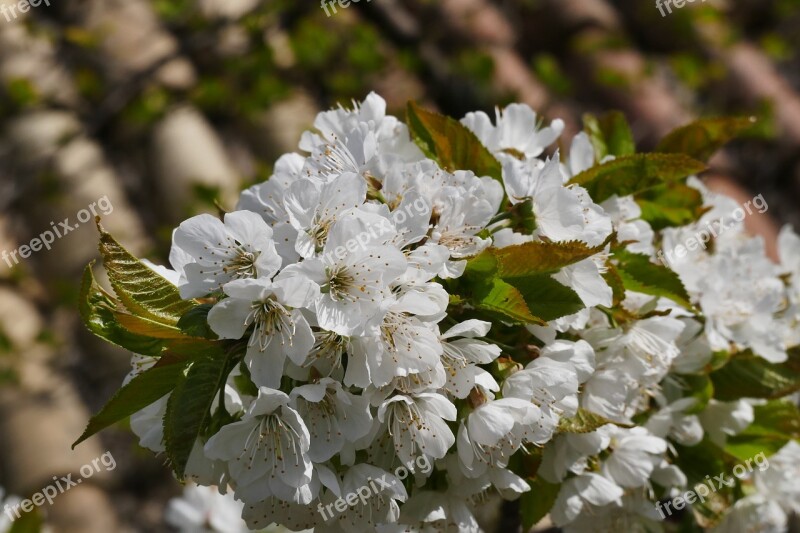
{"points": [[243, 263], [329, 347], [340, 281], [274, 439], [270, 317], [319, 233], [453, 358], [404, 417]]}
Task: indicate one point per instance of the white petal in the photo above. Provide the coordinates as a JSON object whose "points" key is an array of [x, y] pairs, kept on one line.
{"points": [[227, 318], [301, 341], [468, 328]]}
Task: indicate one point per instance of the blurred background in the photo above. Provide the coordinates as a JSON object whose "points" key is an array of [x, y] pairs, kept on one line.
{"points": [[159, 108]]}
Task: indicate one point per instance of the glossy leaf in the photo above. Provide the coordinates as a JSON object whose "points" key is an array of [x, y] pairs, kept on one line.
{"points": [[195, 322], [640, 275], [537, 502], [746, 375], [547, 298], [143, 326], [609, 134], [633, 174], [451, 143], [141, 290], [99, 311], [671, 205], [703, 137], [143, 390], [516, 281], [775, 423], [540, 257], [497, 297], [189, 406]]}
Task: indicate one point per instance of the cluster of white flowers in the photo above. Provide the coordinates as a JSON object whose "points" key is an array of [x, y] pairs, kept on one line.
{"points": [[739, 289], [776, 496], [334, 271], [202, 509]]}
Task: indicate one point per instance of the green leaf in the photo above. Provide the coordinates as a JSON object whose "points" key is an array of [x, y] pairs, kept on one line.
{"points": [[640, 275], [671, 205], [702, 138], [719, 359], [614, 281], [747, 375], [584, 422], [451, 143], [633, 174], [537, 502], [776, 416], [189, 406], [522, 217], [98, 309], [531, 299], [775, 423], [28, 522], [547, 298], [540, 257], [244, 381], [148, 328], [143, 390], [516, 281], [609, 135], [500, 298], [745, 447], [141, 290], [195, 322]]}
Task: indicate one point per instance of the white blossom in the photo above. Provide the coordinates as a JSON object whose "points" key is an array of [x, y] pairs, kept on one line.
{"points": [[417, 425], [332, 415], [205, 509], [267, 450], [240, 248], [278, 330], [517, 131]]}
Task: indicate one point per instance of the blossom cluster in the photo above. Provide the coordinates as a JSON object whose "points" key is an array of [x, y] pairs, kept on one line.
{"points": [[340, 275]]}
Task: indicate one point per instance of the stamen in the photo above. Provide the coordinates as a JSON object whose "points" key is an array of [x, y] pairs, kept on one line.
{"points": [[270, 317], [243, 264]]}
